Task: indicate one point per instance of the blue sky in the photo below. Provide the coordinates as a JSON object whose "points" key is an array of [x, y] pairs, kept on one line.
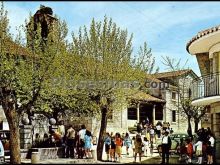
{"points": [[165, 26]]}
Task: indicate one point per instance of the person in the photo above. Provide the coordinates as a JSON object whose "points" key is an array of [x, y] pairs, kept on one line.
{"points": [[107, 142], [46, 141], [138, 147], [198, 147], [143, 123], [158, 130], [81, 142], [71, 141], [127, 142], [209, 153], [118, 143], [56, 138], [152, 134], [112, 148], [133, 146], [212, 144], [139, 128], [189, 149], [61, 130], [171, 131], [204, 153], [146, 146], [182, 149], [88, 144], [166, 145], [37, 140], [147, 120]]}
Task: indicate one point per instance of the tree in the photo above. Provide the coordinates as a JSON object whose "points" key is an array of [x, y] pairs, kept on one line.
{"points": [[103, 56], [27, 71], [191, 112]]}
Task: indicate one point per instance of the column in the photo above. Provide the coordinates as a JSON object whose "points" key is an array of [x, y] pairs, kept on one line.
{"points": [[153, 114], [164, 113], [138, 112]]}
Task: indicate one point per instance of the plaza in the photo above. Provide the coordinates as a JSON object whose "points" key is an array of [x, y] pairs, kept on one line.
{"points": [[75, 89]]}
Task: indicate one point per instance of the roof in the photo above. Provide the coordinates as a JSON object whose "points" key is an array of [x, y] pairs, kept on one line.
{"points": [[202, 34], [142, 96], [172, 73], [153, 78], [15, 49]]}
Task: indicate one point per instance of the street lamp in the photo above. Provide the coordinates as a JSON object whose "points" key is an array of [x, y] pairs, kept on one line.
{"points": [[52, 121]]}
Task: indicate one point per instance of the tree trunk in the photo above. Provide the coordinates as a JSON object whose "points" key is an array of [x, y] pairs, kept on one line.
{"points": [[196, 122], [102, 133], [13, 121], [189, 131]]}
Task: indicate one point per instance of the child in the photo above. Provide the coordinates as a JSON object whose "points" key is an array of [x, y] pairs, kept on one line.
{"points": [[198, 146], [88, 144], [127, 142], [118, 143], [107, 144], [182, 149], [112, 149], [133, 146], [138, 147], [209, 153], [189, 147], [146, 146]]}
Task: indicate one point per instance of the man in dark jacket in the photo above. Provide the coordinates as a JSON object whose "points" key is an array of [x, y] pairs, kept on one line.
{"points": [[166, 146]]}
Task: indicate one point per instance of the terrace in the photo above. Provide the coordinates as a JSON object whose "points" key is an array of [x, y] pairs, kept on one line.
{"points": [[205, 90]]}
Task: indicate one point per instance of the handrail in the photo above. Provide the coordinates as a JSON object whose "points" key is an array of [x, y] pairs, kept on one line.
{"points": [[205, 86]]}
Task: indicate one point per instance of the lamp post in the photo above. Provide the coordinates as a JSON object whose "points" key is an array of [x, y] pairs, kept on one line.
{"points": [[52, 122]]}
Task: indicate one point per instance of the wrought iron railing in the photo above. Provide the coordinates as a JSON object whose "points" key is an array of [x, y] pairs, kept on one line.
{"points": [[205, 86]]}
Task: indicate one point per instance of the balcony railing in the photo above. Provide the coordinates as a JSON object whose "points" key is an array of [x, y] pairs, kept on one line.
{"points": [[205, 86]]}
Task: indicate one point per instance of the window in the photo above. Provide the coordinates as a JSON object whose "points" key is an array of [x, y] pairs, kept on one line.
{"points": [[132, 114], [159, 112], [173, 116], [173, 95]]}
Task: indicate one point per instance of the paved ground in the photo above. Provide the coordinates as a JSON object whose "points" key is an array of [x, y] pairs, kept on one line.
{"points": [[125, 159]]}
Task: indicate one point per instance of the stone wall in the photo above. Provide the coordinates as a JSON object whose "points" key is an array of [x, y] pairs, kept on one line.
{"points": [[40, 125], [181, 123], [204, 64], [119, 121], [26, 136]]}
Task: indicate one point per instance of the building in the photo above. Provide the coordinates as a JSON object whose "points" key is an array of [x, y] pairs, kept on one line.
{"points": [[162, 102], [205, 91]]}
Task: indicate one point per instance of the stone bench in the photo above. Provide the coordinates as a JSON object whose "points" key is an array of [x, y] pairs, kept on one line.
{"points": [[49, 153]]}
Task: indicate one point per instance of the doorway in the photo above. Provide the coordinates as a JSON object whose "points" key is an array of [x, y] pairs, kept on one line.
{"points": [[146, 110]]}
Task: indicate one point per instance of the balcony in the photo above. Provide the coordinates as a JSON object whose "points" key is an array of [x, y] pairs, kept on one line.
{"points": [[205, 90]]}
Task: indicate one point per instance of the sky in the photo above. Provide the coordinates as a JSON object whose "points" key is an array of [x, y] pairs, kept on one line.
{"points": [[166, 26]]}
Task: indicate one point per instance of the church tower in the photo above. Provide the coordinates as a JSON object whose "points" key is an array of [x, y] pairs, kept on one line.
{"points": [[44, 21]]}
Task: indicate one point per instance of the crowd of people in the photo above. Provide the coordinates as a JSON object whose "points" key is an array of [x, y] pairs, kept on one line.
{"points": [[201, 147], [78, 143], [141, 144]]}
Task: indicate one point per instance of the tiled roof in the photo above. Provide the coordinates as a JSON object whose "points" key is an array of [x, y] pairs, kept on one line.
{"points": [[153, 78], [172, 73], [14, 49], [142, 96], [201, 34]]}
